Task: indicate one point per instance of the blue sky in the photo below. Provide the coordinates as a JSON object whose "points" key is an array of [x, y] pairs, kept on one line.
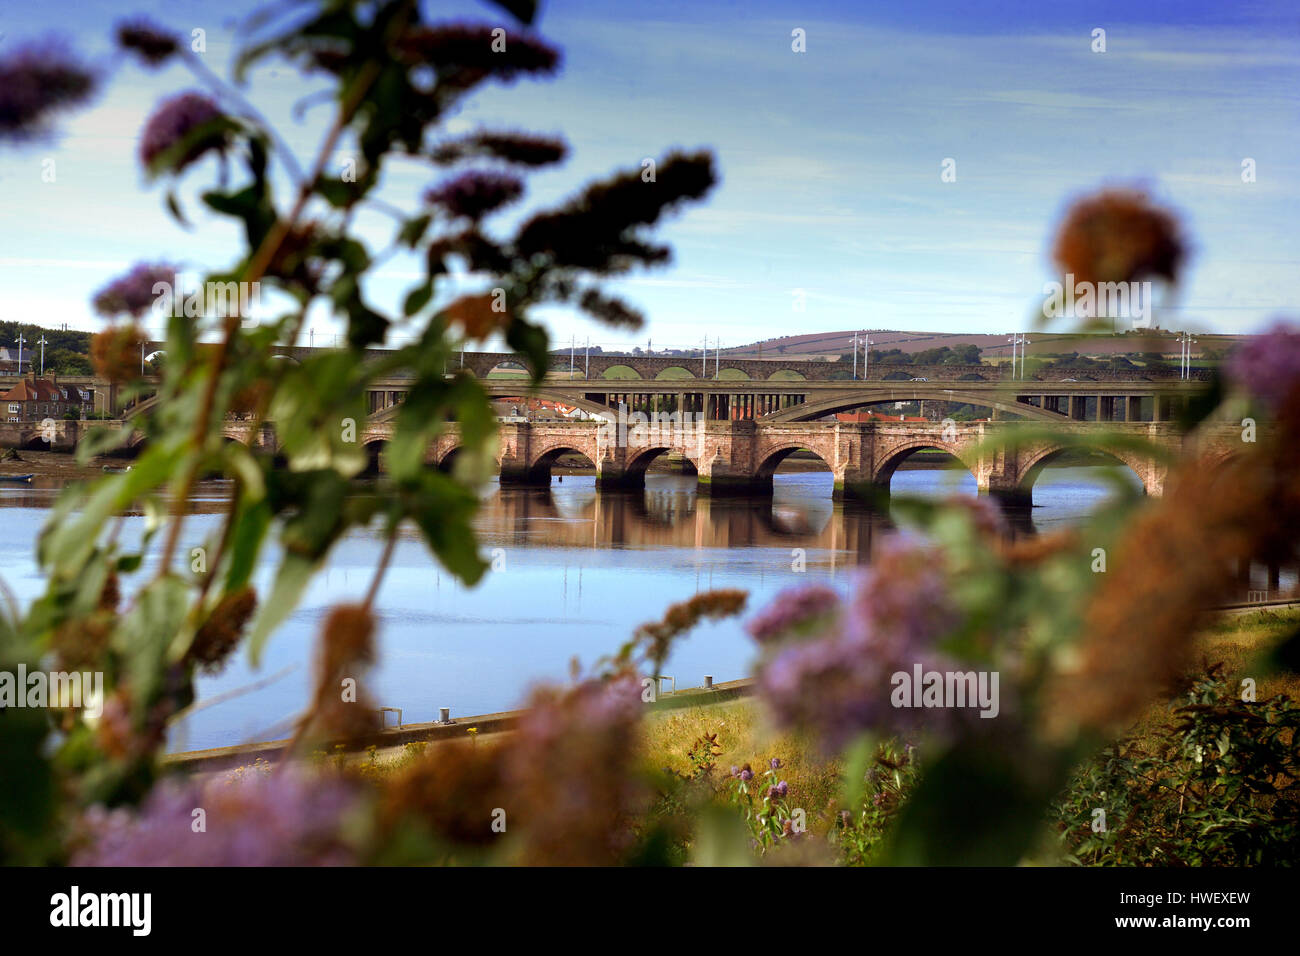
{"points": [[830, 159]]}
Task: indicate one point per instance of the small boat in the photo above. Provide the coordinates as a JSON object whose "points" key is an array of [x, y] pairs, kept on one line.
{"points": [[116, 469], [16, 477]]}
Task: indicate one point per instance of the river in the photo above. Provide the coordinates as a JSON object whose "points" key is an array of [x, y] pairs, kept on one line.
{"points": [[578, 571]]}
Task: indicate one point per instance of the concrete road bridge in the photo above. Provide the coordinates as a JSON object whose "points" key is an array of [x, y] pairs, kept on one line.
{"points": [[791, 390]]}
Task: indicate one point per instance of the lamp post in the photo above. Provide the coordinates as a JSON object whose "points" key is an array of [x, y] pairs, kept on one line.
{"points": [[1185, 354], [20, 355], [41, 342]]}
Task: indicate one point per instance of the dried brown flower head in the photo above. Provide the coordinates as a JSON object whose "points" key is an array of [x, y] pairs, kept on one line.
{"points": [[657, 636], [116, 353], [1176, 560], [340, 707], [221, 632], [476, 315], [452, 789], [570, 771], [1119, 236], [1026, 552]]}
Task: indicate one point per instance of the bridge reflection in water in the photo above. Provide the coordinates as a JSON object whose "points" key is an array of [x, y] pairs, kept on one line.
{"points": [[581, 569], [669, 513]]}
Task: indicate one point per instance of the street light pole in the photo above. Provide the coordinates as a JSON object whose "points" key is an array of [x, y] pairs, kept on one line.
{"points": [[855, 356], [20, 354], [42, 345]]}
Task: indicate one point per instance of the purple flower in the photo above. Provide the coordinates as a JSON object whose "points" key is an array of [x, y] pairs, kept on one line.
{"points": [[1268, 365], [465, 53], [136, 292], [190, 118], [782, 788], [746, 775], [150, 42], [521, 148], [36, 80], [475, 193], [289, 818], [775, 763], [791, 609], [735, 771], [837, 682], [570, 766]]}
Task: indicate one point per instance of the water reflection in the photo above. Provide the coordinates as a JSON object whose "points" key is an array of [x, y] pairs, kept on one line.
{"points": [[579, 570]]}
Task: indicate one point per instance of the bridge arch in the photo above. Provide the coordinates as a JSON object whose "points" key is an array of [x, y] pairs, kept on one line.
{"points": [[539, 470], [375, 449], [674, 373], [636, 466], [883, 472], [447, 459], [787, 375], [1032, 468], [510, 368], [730, 373], [908, 392], [773, 457], [621, 373]]}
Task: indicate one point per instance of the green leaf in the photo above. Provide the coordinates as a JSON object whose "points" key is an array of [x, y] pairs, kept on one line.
{"points": [[722, 839], [155, 620], [251, 205], [417, 299], [67, 542], [530, 341], [857, 761], [250, 529], [413, 230], [443, 510], [292, 579], [977, 805]]}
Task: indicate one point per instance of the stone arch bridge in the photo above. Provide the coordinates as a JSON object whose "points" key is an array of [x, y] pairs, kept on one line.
{"points": [[741, 457]]}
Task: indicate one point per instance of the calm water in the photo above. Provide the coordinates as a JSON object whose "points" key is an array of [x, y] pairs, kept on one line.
{"points": [[581, 571]]}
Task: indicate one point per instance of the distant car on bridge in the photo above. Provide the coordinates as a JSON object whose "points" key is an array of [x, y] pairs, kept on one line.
{"points": [[920, 380]]}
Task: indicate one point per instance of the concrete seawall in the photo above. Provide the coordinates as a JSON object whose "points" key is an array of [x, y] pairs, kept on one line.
{"points": [[228, 758]]}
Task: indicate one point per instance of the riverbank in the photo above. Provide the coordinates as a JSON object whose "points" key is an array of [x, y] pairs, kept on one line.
{"points": [[677, 721], [55, 464]]}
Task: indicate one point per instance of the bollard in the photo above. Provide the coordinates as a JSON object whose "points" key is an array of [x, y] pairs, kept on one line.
{"points": [[708, 682], [444, 715]]}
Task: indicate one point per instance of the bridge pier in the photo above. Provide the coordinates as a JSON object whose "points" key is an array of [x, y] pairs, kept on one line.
{"points": [[1007, 491], [718, 477]]}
